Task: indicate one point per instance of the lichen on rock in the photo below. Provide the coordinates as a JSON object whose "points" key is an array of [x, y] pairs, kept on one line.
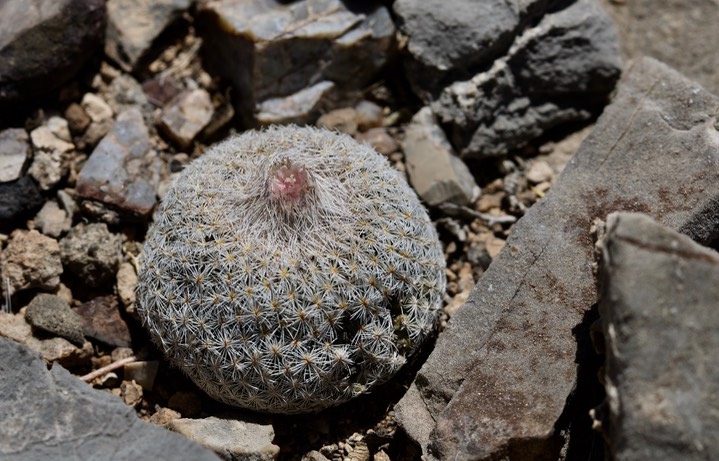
{"points": [[289, 270]]}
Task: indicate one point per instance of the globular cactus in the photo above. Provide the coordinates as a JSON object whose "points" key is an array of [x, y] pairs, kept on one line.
{"points": [[290, 269]]}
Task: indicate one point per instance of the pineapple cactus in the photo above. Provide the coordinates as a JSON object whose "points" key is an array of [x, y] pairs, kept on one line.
{"points": [[289, 270]]}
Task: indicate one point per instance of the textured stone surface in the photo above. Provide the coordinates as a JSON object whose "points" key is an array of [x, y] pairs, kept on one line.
{"points": [[681, 34], [500, 375], [31, 260], [14, 150], [300, 108], [18, 200], [52, 314], [435, 171], [52, 220], [50, 414], [556, 71], [186, 115], [50, 143], [102, 321], [123, 170], [92, 253], [232, 439], [43, 43], [293, 45], [132, 26], [659, 316]]}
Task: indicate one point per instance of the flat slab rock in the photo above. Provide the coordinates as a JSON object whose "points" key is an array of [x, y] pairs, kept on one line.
{"points": [[500, 375], [659, 316], [50, 414]]}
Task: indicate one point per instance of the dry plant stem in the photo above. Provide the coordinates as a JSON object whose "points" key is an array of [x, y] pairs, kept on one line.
{"points": [[108, 368]]}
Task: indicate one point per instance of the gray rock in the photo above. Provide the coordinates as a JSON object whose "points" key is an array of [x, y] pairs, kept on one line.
{"points": [[501, 373], [92, 253], [659, 317], [50, 145], [56, 349], [123, 171], [52, 220], [558, 71], [133, 25], [435, 171], [30, 260], [300, 108], [232, 439], [291, 46], [14, 150], [45, 42], [186, 115], [681, 34], [125, 93], [50, 414], [52, 314], [18, 200]]}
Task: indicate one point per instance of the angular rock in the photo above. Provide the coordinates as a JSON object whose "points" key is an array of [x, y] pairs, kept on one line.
{"points": [[54, 415], [293, 45], [30, 260], [14, 150], [379, 139], [659, 316], [125, 93], [52, 314], [343, 120], [232, 439], [300, 108], [132, 26], [60, 350], [50, 145], [435, 172], [123, 171], [501, 373], [559, 70], [92, 253], [142, 373], [52, 220], [44, 43], [186, 115], [126, 284], [679, 34], [101, 121], [369, 115], [77, 119], [102, 321], [18, 200]]}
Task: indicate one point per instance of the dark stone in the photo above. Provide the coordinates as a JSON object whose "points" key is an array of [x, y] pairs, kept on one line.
{"points": [[50, 414], [660, 319], [19, 200], [102, 321], [45, 42], [501, 373], [53, 314], [92, 253]]}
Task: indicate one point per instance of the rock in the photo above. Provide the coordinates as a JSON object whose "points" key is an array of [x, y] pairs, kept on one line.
{"points": [[299, 108], [164, 416], [50, 146], [126, 284], [57, 416], [125, 93], [133, 25], [131, 393], [14, 150], [60, 350], [232, 439], [292, 46], [102, 322], [186, 115], [343, 120], [52, 314], [31, 260], [18, 200], [435, 172], [52, 220], [369, 115], [315, 455], [659, 317], [379, 139], [43, 44], [678, 34], [558, 71], [92, 253], [501, 373], [77, 119], [142, 373], [101, 121], [123, 171], [539, 171]]}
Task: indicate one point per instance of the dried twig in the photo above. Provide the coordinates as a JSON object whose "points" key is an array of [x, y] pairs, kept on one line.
{"points": [[108, 368], [454, 210]]}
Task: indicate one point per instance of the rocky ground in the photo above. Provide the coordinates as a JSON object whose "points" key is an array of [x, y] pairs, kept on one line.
{"points": [[560, 338]]}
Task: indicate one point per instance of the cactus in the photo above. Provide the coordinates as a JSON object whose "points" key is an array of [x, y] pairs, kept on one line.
{"points": [[289, 270]]}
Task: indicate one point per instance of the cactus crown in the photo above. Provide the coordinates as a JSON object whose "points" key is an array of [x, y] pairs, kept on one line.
{"points": [[289, 270]]}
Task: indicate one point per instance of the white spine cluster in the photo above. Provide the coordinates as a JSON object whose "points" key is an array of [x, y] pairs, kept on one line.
{"points": [[289, 270]]}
